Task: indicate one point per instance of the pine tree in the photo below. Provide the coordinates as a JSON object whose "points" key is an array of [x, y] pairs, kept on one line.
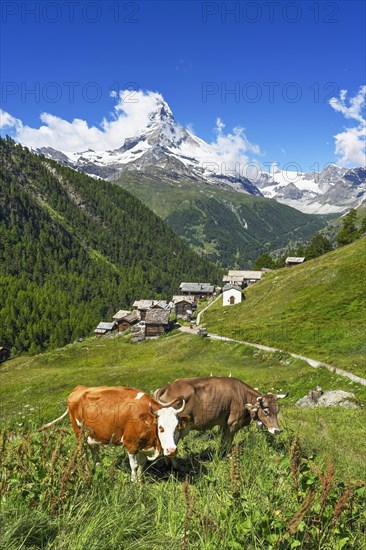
{"points": [[349, 232], [318, 246], [362, 229], [264, 260]]}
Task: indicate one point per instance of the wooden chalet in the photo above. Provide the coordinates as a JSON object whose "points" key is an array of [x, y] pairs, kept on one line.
{"points": [[198, 290], [103, 328], [294, 260], [184, 305], [242, 278], [231, 280], [143, 306], [125, 319], [157, 322], [4, 354]]}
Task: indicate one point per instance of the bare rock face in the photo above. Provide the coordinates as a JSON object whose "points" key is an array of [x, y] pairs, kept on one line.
{"points": [[331, 398]]}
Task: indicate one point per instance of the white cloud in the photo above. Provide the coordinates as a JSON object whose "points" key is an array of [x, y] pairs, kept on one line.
{"points": [[227, 155], [356, 104], [130, 115], [228, 151], [350, 144], [233, 147], [8, 121]]}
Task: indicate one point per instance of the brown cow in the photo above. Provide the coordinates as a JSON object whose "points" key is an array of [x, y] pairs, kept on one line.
{"points": [[125, 416], [222, 401]]}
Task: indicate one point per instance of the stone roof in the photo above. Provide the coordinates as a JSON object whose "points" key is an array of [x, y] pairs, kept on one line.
{"points": [[131, 317], [197, 287], [231, 287], [103, 327], [121, 314], [235, 279], [295, 259], [157, 317], [178, 298], [245, 274], [162, 304], [144, 304]]}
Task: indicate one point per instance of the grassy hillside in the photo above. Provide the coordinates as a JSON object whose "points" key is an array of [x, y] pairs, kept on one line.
{"points": [[255, 500], [230, 228], [317, 309], [74, 250]]}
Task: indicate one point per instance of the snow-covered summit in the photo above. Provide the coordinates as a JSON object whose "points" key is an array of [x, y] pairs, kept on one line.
{"points": [[334, 189], [162, 143]]}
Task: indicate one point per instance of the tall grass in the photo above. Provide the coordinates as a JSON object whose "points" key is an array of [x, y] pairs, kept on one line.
{"points": [[264, 496], [272, 493]]}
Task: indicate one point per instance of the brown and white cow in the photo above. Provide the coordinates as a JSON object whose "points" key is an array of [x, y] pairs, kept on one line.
{"points": [[125, 416], [222, 401]]}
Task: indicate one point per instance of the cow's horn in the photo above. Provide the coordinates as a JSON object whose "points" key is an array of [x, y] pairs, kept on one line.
{"points": [[169, 403], [154, 412], [182, 407], [281, 395]]}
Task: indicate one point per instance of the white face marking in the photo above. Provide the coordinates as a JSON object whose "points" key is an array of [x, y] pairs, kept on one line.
{"points": [[167, 429], [78, 422], [273, 431], [140, 394]]}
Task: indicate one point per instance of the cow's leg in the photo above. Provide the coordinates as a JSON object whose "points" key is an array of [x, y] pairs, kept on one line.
{"points": [[141, 461], [173, 461], [137, 462], [227, 440], [94, 450]]}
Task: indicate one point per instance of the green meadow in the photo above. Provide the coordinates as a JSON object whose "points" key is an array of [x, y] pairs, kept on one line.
{"points": [[301, 489], [317, 309]]}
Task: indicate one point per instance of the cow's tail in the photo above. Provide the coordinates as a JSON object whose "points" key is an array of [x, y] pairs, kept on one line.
{"points": [[53, 421]]}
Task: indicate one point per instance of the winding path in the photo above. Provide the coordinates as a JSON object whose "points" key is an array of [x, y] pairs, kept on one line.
{"points": [[312, 362]]}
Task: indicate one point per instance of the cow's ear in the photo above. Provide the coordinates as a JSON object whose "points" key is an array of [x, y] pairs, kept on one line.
{"points": [[147, 418], [281, 395], [183, 421]]}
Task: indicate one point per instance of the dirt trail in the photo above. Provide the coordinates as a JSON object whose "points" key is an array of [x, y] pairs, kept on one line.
{"points": [[312, 362]]}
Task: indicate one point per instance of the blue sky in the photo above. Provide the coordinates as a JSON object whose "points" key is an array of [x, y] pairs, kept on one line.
{"points": [[285, 60]]}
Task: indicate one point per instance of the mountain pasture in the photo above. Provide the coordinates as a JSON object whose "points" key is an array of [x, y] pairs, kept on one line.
{"points": [[274, 492], [316, 309]]}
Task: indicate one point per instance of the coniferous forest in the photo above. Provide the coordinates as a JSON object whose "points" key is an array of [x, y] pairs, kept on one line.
{"points": [[74, 250]]}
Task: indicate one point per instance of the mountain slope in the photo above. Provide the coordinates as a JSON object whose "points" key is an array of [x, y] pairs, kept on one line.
{"points": [[74, 250], [191, 184], [317, 308], [161, 142], [230, 228]]}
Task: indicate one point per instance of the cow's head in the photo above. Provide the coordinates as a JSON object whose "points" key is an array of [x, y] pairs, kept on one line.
{"points": [[265, 411], [169, 426]]}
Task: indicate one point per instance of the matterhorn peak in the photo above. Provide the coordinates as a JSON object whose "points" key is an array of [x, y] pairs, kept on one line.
{"points": [[161, 113]]}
